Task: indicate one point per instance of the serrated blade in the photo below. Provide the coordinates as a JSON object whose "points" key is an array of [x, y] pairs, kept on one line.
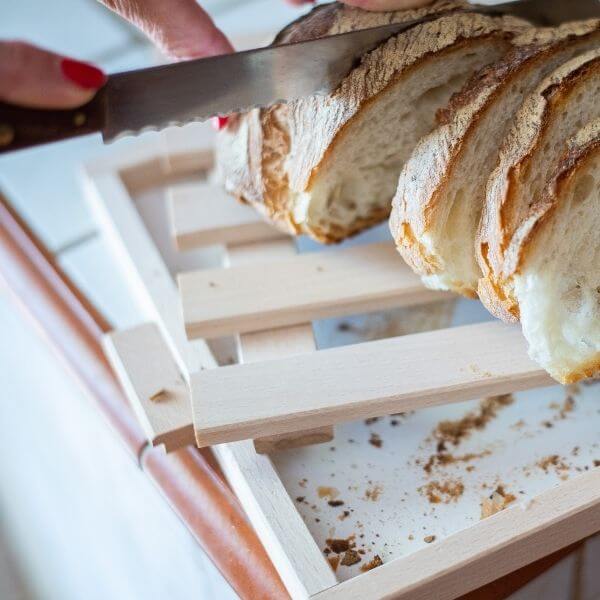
{"points": [[196, 90]]}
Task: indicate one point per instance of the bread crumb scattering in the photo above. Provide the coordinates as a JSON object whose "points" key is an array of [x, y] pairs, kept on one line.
{"points": [[428, 539], [552, 461], [455, 431], [497, 501], [446, 491]]}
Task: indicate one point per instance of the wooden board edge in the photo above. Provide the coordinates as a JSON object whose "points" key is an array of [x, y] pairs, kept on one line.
{"points": [[166, 422], [487, 550]]}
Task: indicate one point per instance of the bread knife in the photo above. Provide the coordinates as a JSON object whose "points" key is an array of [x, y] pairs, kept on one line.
{"points": [[157, 97]]}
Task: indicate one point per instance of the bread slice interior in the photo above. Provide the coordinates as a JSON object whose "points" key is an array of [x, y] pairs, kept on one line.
{"points": [[358, 177], [441, 190], [552, 114], [556, 256]]}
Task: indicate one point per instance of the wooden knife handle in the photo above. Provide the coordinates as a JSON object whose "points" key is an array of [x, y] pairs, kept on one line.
{"points": [[25, 127]]}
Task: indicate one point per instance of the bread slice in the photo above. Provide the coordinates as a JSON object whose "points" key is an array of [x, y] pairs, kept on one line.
{"points": [[553, 263], [328, 165], [554, 112], [441, 190]]}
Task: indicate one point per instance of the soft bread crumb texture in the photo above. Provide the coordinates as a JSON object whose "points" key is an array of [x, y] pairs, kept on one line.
{"points": [[441, 190], [557, 284], [563, 103], [328, 166]]}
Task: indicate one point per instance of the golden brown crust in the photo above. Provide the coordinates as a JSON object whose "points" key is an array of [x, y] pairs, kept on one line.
{"points": [[504, 209], [421, 200], [328, 117]]}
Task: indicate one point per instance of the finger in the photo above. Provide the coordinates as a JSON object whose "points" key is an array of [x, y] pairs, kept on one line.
{"points": [[36, 78], [180, 28], [387, 4]]}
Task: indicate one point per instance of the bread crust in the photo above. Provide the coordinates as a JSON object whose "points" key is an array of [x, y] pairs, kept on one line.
{"points": [[421, 196], [581, 150], [268, 157], [503, 212]]}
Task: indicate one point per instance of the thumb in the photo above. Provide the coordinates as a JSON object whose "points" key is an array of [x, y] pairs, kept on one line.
{"points": [[387, 4], [36, 78]]}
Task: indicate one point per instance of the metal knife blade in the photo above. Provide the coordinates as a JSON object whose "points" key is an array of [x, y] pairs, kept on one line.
{"points": [[196, 90]]}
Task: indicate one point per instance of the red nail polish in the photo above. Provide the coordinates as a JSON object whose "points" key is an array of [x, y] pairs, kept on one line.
{"points": [[219, 123], [83, 74]]}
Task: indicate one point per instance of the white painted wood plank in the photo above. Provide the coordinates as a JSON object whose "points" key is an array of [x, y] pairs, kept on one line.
{"points": [[203, 214], [486, 551], [276, 343], [304, 288], [363, 380]]}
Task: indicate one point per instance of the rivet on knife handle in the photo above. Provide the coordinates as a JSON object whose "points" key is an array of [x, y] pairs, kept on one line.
{"points": [[24, 127]]}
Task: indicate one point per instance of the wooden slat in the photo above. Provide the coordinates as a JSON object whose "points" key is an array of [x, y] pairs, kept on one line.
{"points": [[155, 386], [364, 380], [276, 343], [202, 214], [303, 288], [487, 550], [152, 286], [253, 478]]}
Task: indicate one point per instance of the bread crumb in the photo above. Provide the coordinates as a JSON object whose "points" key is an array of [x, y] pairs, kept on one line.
{"points": [[455, 431], [373, 493], [373, 564], [428, 539], [497, 501], [375, 440], [159, 395], [446, 491], [328, 492], [351, 557], [333, 561]]}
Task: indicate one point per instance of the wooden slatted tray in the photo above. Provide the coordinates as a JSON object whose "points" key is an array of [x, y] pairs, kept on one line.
{"points": [[295, 393]]}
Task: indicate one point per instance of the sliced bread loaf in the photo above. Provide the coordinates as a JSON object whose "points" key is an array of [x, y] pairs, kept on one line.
{"points": [[441, 190], [553, 264], [328, 166], [554, 112]]}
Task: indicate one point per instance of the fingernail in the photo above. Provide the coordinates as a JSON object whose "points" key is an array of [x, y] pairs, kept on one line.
{"points": [[83, 74], [219, 123]]}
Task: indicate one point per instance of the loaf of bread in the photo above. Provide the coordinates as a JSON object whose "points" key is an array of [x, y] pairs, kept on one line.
{"points": [[553, 264], [328, 166], [441, 190], [565, 101]]}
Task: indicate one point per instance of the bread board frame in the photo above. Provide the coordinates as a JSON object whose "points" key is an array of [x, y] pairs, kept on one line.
{"points": [[449, 568]]}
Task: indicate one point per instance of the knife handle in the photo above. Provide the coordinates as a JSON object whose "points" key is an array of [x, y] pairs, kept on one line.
{"points": [[25, 127]]}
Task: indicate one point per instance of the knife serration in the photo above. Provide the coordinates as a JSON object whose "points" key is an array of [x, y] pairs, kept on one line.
{"points": [[158, 97]]}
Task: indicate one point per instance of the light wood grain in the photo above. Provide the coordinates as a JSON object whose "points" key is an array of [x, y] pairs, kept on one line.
{"points": [[364, 380], [280, 527], [155, 386], [304, 288], [203, 214], [486, 551], [276, 343], [152, 287]]}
